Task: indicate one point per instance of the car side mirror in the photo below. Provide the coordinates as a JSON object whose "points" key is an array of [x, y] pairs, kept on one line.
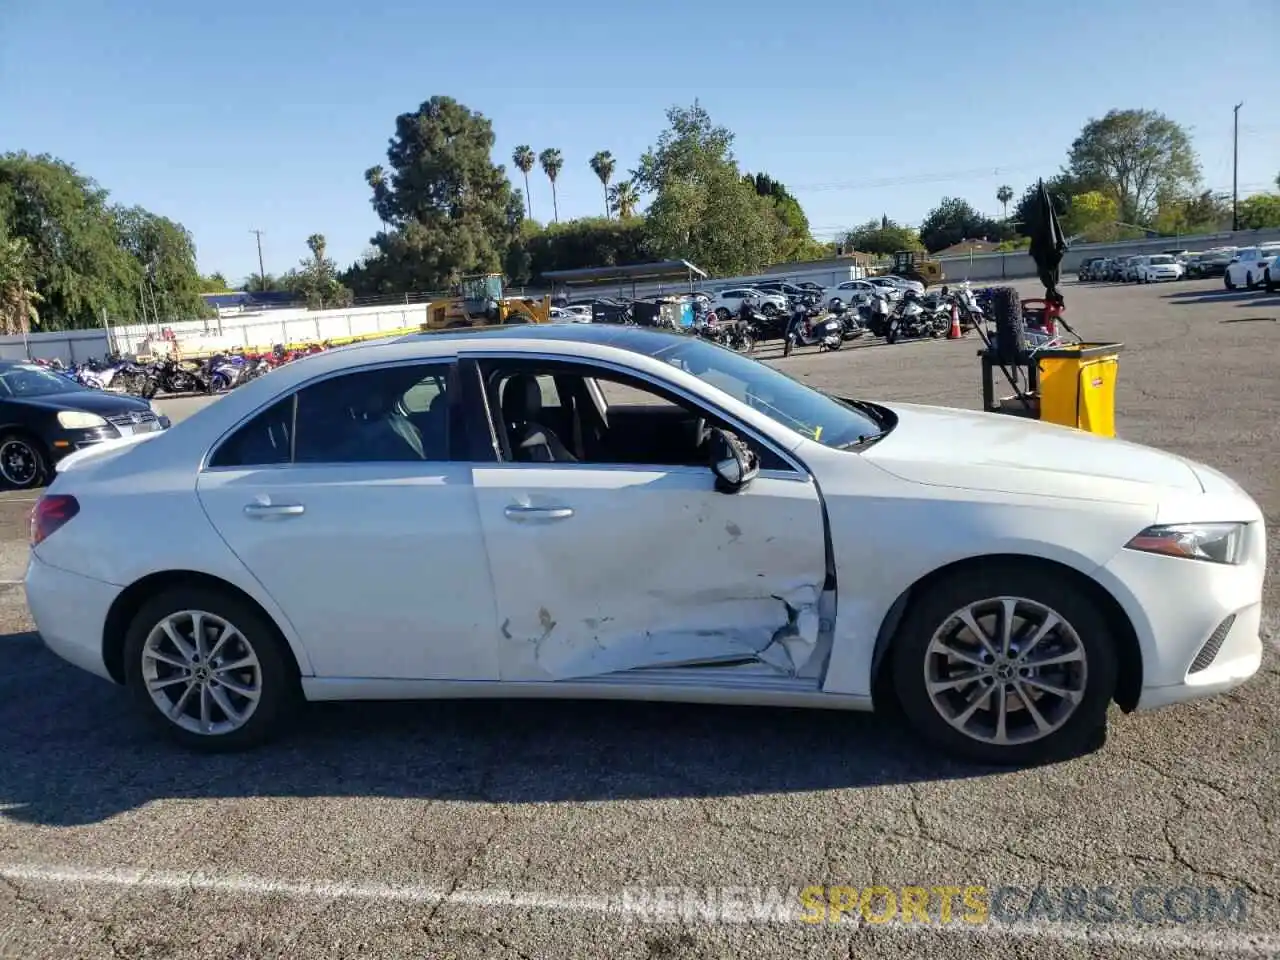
{"points": [[732, 461]]}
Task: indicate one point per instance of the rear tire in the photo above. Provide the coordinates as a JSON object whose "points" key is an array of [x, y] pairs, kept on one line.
{"points": [[1248, 281], [152, 658], [932, 684], [1011, 329]]}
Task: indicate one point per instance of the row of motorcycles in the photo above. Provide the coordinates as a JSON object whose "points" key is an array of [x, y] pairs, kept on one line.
{"points": [[216, 374], [913, 316]]}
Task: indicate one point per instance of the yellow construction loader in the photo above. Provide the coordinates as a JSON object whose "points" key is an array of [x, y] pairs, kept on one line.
{"points": [[479, 302], [913, 266]]}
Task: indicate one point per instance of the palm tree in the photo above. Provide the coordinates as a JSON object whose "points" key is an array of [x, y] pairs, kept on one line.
{"points": [[552, 164], [1004, 195], [603, 163], [625, 198], [523, 158], [376, 177]]}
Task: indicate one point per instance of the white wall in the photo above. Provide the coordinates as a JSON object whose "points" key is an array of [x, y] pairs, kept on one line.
{"points": [[269, 327], [262, 330]]}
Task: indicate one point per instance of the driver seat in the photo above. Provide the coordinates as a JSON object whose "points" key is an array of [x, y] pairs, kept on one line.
{"points": [[531, 441]]}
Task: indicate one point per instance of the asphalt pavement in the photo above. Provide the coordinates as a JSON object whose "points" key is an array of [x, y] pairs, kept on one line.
{"points": [[556, 830]]}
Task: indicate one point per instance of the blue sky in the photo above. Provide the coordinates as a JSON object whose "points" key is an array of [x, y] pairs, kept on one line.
{"points": [[231, 115]]}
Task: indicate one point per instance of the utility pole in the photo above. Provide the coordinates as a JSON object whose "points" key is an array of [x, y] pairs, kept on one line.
{"points": [[1235, 169], [262, 273]]}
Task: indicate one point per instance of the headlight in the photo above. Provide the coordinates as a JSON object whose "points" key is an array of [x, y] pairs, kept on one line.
{"points": [[1215, 542], [79, 420]]}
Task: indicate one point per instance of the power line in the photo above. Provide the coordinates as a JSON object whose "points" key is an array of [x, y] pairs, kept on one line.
{"points": [[973, 173]]}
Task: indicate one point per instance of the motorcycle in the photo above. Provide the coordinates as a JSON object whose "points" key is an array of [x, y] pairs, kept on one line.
{"points": [[173, 376], [874, 314], [850, 326], [738, 334], [226, 372], [825, 334], [913, 320], [971, 312]]}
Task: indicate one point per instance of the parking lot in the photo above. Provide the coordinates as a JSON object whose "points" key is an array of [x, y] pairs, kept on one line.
{"points": [[529, 829]]}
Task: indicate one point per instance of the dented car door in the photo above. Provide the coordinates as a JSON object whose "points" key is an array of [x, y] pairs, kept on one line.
{"points": [[604, 567], [600, 569]]}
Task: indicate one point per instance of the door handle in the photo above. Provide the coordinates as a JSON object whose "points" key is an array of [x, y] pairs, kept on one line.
{"points": [[523, 514], [267, 511]]}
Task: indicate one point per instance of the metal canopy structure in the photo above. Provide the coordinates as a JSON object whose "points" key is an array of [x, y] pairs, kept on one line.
{"points": [[668, 271]]}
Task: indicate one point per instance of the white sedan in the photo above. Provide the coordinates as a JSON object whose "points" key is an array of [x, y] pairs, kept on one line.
{"points": [[1248, 268], [848, 293], [729, 301], [610, 512]]}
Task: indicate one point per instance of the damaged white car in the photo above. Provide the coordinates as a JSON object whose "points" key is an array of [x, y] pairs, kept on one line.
{"points": [[604, 511]]}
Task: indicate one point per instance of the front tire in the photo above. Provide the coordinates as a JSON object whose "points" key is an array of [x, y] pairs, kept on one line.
{"points": [[209, 669], [1248, 281], [1031, 685], [1226, 281], [24, 464]]}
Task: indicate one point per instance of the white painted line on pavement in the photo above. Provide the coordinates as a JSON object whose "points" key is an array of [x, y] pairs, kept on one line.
{"points": [[1235, 942]]}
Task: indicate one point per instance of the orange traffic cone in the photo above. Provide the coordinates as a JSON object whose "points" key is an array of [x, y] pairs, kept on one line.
{"points": [[954, 333]]}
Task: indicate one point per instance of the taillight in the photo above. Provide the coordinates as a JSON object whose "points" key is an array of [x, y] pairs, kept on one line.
{"points": [[51, 512]]}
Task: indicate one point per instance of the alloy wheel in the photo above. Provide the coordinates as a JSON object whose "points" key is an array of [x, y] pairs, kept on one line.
{"points": [[1005, 670], [19, 462], [201, 672]]}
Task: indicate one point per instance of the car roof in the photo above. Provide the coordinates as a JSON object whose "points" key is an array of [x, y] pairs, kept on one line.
{"points": [[619, 335]]}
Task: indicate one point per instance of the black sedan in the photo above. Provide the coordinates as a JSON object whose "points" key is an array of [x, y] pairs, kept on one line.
{"points": [[44, 416]]}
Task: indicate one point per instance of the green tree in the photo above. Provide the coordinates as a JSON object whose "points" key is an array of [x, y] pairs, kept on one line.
{"points": [[797, 242], [1260, 212], [316, 278], [376, 178], [624, 198], [451, 211], [954, 220], [256, 283], [165, 258], [214, 283], [589, 242], [881, 237], [1138, 155], [74, 250], [524, 160], [702, 209], [552, 163], [602, 165], [1093, 214], [1003, 196]]}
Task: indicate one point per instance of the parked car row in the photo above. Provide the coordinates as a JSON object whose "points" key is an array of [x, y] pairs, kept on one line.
{"points": [[780, 297], [1247, 267], [1144, 268]]}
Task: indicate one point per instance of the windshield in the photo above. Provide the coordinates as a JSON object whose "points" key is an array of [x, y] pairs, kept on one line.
{"points": [[799, 408], [33, 381], [1161, 259]]}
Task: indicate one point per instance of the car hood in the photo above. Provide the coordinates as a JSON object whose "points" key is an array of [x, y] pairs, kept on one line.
{"points": [[92, 401], [945, 447]]}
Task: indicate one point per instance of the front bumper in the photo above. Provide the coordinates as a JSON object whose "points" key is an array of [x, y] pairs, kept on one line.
{"points": [[1198, 624], [70, 613], [63, 442]]}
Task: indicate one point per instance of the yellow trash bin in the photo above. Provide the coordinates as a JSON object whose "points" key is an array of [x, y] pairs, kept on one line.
{"points": [[1078, 386]]}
